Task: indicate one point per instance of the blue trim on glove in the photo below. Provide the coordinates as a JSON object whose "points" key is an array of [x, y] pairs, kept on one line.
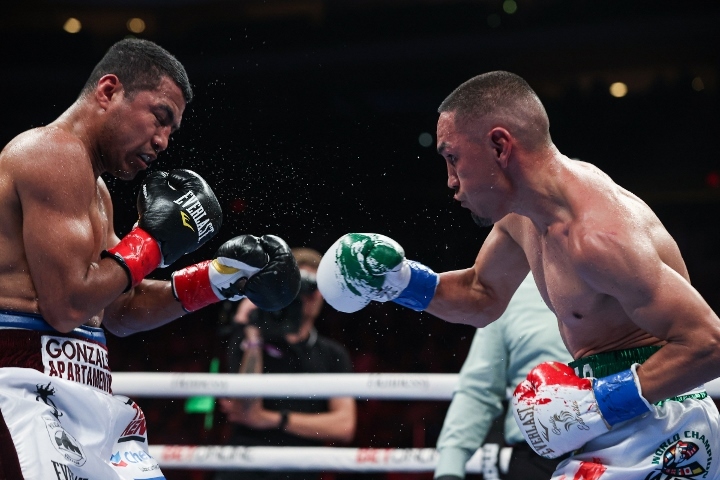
{"points": [[618, 397], [421, 289]]}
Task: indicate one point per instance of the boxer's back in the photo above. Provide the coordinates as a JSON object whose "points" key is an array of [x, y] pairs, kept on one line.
{"points": [[32, 161], [16, 288]]}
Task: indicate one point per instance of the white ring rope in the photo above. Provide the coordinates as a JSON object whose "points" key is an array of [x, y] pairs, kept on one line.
{"points": [[321, 458], [388, 386]]}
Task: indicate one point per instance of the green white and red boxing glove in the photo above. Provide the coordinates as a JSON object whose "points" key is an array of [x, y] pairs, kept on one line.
{"points": [[178, 212], [262, 269], [559, 412], [361, 267]]}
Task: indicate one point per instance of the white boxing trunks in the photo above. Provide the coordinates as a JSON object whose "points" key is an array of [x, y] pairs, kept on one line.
{"points": [[58, 417], [678, 440]]}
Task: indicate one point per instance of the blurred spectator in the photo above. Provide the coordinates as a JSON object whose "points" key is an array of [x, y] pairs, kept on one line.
{"points": [[287, 342]]}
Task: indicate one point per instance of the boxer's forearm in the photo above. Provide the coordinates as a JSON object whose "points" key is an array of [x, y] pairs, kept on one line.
{"points": [[67, 302], [460, 299], [658, 382], [149, 305]]}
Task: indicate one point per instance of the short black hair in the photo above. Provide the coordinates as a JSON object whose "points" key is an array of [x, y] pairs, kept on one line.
{"points": [[503, 95], [140, 65], [486, 93]]}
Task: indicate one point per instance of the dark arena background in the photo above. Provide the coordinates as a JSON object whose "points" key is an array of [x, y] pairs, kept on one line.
{"points": [[314, 118]]}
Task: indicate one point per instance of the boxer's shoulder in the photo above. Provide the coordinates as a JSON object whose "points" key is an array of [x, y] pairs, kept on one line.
{"points": [[45, 142], [40, 159]]}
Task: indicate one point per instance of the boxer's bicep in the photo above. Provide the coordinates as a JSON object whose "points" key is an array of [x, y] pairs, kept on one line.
{"points": [[57, 230], [675, 312], [501, 265], [106, 203], [63, 233], [479, 295]]}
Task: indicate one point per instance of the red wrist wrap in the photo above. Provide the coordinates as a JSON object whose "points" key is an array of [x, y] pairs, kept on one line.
{"points": [[191, 286], [138, 253]]}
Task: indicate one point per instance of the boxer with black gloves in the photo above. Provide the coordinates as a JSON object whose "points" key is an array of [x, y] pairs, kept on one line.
{"points": [[178, 212], [262, 269], [67, 278]]}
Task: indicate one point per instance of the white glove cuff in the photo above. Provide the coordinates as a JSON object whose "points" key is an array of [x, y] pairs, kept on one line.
{"points": [[634, 368], [396, 281], [224, 272]]}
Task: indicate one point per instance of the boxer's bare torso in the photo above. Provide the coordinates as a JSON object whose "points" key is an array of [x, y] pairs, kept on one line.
{"points": [[56, 215], [25, 166], [602, 260], [600, 212]]}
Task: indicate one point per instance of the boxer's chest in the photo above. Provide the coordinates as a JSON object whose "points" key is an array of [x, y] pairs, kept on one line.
{"points": [[588, 318]]}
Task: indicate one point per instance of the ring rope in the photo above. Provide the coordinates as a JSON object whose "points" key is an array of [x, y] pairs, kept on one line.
{"points": [[218, 457], [388, 386]]}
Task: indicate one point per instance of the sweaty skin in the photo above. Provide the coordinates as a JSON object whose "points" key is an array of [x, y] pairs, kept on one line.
{"points": [[56, 213], [601, 258]]}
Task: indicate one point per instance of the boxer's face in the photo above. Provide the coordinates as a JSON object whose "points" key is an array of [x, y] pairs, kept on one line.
{"points": [[138, 127], [472, 170]]}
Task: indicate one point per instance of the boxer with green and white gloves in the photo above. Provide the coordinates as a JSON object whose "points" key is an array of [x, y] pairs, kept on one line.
{"points": [[361, 267]]}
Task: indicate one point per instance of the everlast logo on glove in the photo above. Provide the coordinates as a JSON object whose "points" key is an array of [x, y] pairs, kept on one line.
{"points": [[179, 211], [557, 411], [537, 439], [190, 203]]}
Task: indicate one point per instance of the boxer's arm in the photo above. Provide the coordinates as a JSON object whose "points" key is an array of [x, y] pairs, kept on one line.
{"points": [[148, 305], [60, 238], [363, 267], [479, 295], [261, 268], [663, 303]]}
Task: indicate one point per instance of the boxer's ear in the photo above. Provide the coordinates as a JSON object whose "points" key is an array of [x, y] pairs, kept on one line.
{"points": [[501, 143], [107, 87]]}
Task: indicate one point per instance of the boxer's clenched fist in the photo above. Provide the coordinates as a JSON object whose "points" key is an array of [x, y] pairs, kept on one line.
{"points": [[361, 267], [178, 213], [262, 269], [559, 412]]}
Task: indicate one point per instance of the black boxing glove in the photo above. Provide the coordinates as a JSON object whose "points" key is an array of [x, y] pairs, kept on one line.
{"points": [[178, 213], [262, 269]]}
